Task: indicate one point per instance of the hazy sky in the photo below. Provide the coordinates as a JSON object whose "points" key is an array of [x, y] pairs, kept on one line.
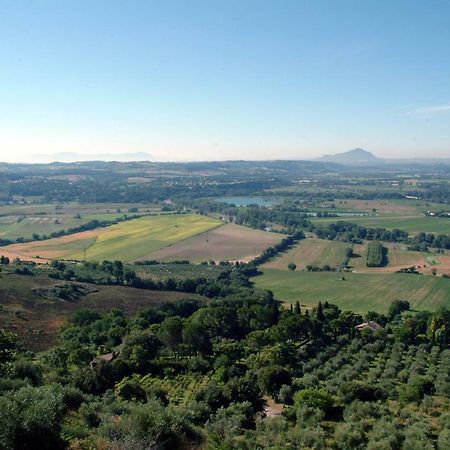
{"points": [[225, 79]]}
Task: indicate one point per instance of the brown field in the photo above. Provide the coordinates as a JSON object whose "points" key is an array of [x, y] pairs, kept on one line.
{"points": [[379, 205], [316, 252], [36, 320], [229, 242]]}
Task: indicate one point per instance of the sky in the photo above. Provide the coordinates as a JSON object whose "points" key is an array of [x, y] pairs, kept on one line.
{"points": [[224, 79]]}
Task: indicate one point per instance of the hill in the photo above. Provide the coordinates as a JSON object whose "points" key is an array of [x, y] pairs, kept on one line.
{"points": [[30, 307], [355, 157]]}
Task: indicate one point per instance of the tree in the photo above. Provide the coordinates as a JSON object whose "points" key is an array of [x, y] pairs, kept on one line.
{"points": [[7, 351], [397, 307], [292, 266], [138, 349], [271, 379], [196, 337], [319, 313], [170, 332], [313, 398]]}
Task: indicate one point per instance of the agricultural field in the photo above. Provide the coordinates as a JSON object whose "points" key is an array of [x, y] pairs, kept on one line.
{"points": [[398, 256], [180, 389], [37, 319], [161, 272], [24, 220], [376, 254], [413, 223], [228, 243], [315, 252], [127, 241], [320, 252], [359, 292]]}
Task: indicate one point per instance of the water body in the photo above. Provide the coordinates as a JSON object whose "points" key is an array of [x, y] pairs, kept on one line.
{"points": [[245, 201]]}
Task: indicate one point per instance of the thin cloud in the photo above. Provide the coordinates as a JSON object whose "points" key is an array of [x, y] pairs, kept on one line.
{"points": [[430, 109]]}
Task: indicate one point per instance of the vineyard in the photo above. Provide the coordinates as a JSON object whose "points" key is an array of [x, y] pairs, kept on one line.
{"points": [[376, 254], [158, 272], [179, 389]]}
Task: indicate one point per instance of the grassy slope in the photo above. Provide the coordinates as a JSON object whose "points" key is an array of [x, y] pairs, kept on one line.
{"points": [[36, 320], [359, 292]]}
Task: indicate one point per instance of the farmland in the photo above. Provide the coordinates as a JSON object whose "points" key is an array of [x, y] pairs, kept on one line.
{"points": [[413, 223], [321, 252], [22, 221], [127, 241], [161, 272], [315, 252], [229, 242], [37, 319], [357, 292], [376, 254]]}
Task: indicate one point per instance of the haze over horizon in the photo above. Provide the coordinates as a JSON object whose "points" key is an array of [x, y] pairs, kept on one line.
{"points": [[214, 81]]}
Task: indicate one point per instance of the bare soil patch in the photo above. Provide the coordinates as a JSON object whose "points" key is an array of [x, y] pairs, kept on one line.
{"points": [[226, 243]]}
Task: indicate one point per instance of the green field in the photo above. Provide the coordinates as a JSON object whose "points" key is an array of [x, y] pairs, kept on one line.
{"points": [[358, 292], [315, 252], [413, 223], [11, 228], [23, 220], [137, 238]]}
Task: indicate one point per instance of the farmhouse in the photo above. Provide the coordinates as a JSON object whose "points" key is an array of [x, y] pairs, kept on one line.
{"points": [[369, 325], [107, 357]]}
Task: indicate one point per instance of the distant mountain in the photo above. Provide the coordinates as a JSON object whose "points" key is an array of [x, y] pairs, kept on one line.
{"points": [[80, 157], [355, 157]]}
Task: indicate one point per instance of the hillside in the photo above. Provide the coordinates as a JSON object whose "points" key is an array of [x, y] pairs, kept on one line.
{"points": [[30, 307]]}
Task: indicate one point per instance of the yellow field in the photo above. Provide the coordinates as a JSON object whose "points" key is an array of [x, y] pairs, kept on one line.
{"points": [[126, 241]]}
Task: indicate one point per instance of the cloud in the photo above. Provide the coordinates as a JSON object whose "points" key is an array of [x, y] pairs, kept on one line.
{"points": [[430, 109]]}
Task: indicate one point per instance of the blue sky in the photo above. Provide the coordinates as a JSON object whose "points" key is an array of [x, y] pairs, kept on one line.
{"points": [[225, 79]]}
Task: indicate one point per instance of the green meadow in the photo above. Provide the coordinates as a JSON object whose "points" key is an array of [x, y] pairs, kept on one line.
{"points": [[357, 291]]}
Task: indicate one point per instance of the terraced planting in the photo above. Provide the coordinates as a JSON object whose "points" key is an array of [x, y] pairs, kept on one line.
{"points": [[359, 292]]}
